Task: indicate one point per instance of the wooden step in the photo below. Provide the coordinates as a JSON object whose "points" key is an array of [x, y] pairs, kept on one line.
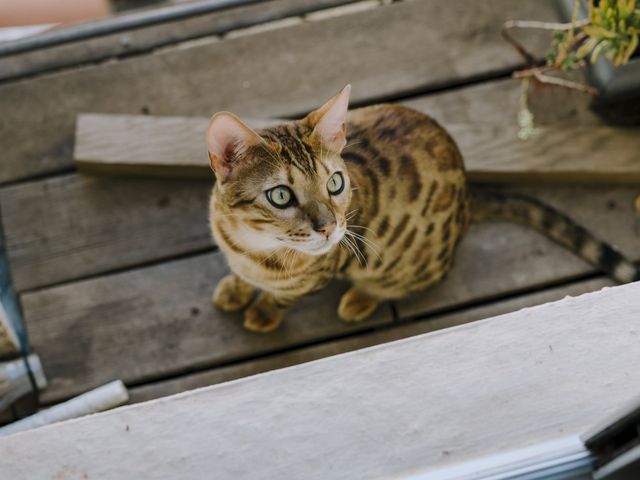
{"points": [[384, 52], [384, 334], [405, 407], [147, 39], [122, 145], [164, 323]]}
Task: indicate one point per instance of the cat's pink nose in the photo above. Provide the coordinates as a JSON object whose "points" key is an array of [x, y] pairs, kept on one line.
{"points": [[326, 229]]}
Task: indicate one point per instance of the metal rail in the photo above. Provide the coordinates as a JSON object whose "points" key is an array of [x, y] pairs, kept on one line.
{"points": [[118, 24]]}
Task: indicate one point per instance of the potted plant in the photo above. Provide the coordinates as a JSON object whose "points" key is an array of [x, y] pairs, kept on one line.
{"points": [[603, 36]]}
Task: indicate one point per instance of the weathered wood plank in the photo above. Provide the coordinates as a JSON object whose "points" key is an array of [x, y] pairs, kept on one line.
{"points": [[145, 39], [73, 226], [389, 333], [395, 49], [120, 145], [153, 305], [103, 224], [158, 321], [498, 102], [566, 154], [109, 143], [46, 245], [436, 399]]}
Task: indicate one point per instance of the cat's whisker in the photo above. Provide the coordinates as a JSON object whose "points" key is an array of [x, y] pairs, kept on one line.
{"points": [[361, 258], [366, 241], [350, 248], [349, 215], [292, 264], [264, 260], [289, 263], [360, 226], [353, 143], [288, 252]]}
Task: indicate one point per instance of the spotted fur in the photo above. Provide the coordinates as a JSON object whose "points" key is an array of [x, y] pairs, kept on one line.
{"points": [[392, 231]]}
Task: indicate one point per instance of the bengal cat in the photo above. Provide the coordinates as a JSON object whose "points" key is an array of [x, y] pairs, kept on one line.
{"points": [[376, 196]]}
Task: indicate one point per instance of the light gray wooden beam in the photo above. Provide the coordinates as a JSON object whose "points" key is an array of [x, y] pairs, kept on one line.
{"points": [[422, 403], [174, 147], [142, 145]]}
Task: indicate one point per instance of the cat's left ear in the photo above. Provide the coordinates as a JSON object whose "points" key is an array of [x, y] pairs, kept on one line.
{"points": [[228, 137], [328, 122]]}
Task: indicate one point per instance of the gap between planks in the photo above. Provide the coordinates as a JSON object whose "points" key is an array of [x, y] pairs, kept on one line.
{"points": [[395, 331], [273, 85], [465, 392], [182, 33], [177, 329], [110, 235]]}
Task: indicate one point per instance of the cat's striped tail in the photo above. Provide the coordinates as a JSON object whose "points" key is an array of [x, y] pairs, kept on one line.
{"points": [[516, 208]]}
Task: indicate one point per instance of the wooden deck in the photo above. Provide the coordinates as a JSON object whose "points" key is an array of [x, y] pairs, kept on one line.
{"points": [[115, 274], [551, 373]]}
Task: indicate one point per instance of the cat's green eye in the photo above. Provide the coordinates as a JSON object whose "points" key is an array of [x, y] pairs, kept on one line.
{"points": [[280, 197], [335, 185]]}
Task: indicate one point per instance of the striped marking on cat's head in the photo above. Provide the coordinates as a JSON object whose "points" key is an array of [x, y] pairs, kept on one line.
{"points": [[284, 186]]}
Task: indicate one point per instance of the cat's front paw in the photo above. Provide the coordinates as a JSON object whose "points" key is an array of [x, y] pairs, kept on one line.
{"points": [[232, 294], [355, 305], [263, 316]]}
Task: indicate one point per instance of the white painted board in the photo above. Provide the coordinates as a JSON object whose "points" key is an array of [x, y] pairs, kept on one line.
{"points": [[508, 382]]}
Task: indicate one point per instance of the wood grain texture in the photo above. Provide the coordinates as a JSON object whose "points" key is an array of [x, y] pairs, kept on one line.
{"points": [[414, 405], [383, 52], [140, 145], [47, 244], [145, 39], [172, 146], [560, 153], [386, 334], [73, 226], [171, 327], [157, 321]]}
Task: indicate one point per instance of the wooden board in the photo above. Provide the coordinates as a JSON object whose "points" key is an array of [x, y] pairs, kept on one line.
{"points": [[387, 333], [141, 145], [135, 42], [392, 50], [406, 407], [173, 146], [102, 224], [73, 226], [157, 321], [99, 225], [153, 305]]}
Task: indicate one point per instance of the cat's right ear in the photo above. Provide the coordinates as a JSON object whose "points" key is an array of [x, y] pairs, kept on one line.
{"points": [[328, 122], [228, 137]]}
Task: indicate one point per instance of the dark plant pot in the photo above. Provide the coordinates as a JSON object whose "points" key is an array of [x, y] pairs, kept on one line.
{"points": [[619, 87]]}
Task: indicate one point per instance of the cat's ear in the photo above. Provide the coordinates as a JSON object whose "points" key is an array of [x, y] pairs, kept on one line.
{"points": [[227, 137], [328, 122]]}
